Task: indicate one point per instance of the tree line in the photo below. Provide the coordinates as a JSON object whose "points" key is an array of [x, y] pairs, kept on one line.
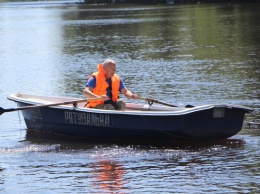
{"points": [[167, 1]]}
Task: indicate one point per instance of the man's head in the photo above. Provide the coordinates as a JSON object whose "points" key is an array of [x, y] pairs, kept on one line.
{"points": [[110, 68]]}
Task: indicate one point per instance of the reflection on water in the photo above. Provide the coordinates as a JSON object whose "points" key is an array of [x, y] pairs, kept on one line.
{"points": [[104, 168], [109, 176], [184, 53], [58, 164], [174, 53]]}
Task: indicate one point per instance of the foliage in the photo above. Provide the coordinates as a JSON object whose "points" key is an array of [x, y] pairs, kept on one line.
{"points": [[168, 1]]}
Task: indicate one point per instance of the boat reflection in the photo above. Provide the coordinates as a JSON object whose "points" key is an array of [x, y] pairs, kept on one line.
{"points": [[109, 176]]}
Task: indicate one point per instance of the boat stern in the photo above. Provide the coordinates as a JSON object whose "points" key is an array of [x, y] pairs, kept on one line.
{"points": [[217, 123]]}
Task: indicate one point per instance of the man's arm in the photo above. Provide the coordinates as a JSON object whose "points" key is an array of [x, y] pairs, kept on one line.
{"points": [[129, 94], [89, 94]]}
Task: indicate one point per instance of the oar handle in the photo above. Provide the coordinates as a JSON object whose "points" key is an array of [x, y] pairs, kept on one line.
{"points": [[2, 110], [150, 101]]}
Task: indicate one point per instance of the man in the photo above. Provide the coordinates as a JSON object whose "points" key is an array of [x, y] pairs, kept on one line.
{"points": [[106, 84]]}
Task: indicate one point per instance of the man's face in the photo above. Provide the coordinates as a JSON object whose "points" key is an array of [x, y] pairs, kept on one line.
{"points": [[110, 70]]}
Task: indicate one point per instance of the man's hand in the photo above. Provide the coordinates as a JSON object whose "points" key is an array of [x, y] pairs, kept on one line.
{"points": [[105, 97], [134, 96]]}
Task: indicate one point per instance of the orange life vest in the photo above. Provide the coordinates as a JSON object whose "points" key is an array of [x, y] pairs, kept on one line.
{"points": [[102, 85]]}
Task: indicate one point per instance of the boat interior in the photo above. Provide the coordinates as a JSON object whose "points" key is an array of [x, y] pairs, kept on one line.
{"points": [[35, 100]]}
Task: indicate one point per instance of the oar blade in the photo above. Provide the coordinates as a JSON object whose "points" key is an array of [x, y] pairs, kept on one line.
{"points": [[2, 110], [189, 106]]}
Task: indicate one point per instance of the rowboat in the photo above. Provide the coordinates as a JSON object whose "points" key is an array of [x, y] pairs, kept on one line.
{"points": [[138, 122]]}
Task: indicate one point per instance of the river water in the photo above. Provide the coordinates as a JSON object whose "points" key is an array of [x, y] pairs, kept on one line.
{"points": [[185, 54]]}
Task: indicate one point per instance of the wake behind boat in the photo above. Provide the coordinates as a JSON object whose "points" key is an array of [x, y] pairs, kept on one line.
{"points": [[139, 122]]}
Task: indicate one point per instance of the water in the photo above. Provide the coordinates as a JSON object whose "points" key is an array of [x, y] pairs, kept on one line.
{"points": [[192, 54]]}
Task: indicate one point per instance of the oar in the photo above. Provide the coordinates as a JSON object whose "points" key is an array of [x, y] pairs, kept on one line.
{"points": [[151, 101], [2, 110]]}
